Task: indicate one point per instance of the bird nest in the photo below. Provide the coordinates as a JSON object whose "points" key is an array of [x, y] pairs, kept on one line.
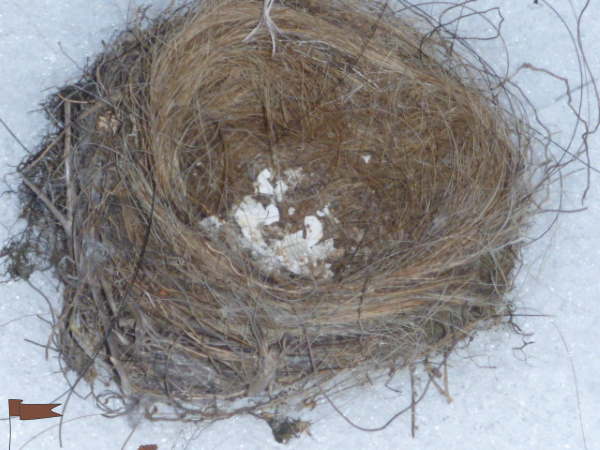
{"points": [[252, 204]]}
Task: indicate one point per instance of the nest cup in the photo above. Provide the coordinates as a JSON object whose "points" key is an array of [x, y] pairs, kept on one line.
{"points": [[268, 202]]}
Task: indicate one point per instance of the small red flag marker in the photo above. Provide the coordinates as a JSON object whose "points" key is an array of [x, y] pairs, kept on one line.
{"points": [[31, 411]]}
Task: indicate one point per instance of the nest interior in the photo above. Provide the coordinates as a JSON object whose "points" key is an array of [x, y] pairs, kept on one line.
{"points": [[246, 208]]}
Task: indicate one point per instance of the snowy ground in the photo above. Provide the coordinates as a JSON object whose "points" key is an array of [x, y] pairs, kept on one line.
{"points": [[545, 397]]}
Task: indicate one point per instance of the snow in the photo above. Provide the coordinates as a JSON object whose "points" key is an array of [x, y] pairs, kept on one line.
{"points": [[325, 212], [314, 230], [251, 216], [300, 251], [264, 186], [543, 396]]}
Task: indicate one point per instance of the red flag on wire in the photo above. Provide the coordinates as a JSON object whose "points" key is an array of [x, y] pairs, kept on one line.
{"points": [[31, 411]]}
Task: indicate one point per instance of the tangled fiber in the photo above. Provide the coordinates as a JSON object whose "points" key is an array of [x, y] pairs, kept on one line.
{"points": [[253, 204]]}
